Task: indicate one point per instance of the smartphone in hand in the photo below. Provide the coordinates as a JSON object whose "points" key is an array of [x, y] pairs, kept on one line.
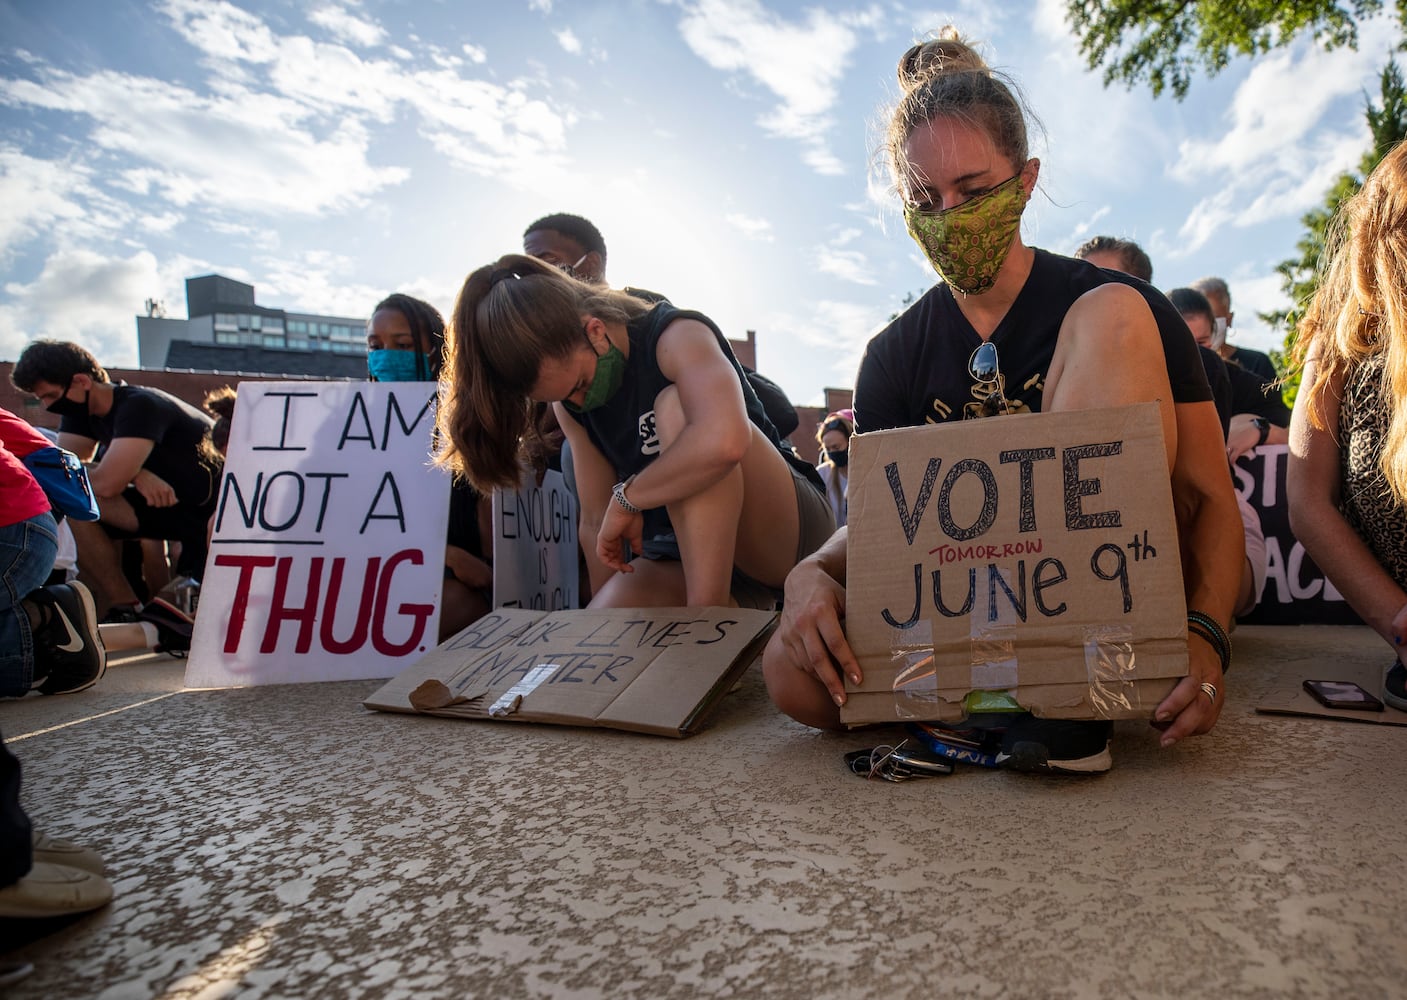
{"points": [[1342, 694]]}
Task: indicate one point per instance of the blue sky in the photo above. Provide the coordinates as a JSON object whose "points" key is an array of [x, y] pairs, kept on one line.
{"points": [[333, 151]]}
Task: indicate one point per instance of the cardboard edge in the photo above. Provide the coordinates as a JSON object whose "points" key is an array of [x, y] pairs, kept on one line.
{"points": [[740, 666]]}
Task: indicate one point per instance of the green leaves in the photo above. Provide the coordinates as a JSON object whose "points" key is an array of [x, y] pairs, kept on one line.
{"points": [[1164, 42]]}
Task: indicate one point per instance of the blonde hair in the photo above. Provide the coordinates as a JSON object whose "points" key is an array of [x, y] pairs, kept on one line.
{"points": [[1360, 307], [944, 77], [510, 317]]}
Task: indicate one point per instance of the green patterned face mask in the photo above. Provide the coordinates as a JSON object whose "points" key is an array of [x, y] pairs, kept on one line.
{"points": [[968, 243]]}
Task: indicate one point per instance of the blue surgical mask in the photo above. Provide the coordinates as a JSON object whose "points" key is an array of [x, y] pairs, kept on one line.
{"points": [[395, 366]]}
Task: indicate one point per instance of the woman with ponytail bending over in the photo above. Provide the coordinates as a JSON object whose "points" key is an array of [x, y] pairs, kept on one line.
{"points": [[670, 442]]}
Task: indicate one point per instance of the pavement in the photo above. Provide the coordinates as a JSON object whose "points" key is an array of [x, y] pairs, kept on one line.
{"points": [[284, 842]]}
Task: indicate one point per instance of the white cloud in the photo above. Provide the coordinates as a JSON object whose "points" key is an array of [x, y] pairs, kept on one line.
{"points": [[569, 41], [751, 227], [316, 282], [848, 265], [35, 194], [800, 63], [246, 153], [475, 54], [348, 27], [544, 6], [838, 329], [82, 296], [1275, 157]]}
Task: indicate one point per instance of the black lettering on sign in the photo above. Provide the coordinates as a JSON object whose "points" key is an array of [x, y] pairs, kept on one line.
{"points": [[910, 522], [985, 516], [1075, 487], [397, 511], [1120, 571], [1027, 459], [283, 444]]}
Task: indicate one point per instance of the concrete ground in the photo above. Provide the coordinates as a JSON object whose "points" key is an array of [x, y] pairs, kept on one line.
{"points": [[284, 842]]}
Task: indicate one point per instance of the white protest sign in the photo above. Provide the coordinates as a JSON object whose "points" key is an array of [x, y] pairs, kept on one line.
{"points": [[535, 546], [328, 553]]}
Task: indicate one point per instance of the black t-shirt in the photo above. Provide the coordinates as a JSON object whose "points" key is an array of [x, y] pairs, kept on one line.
{"points": [[1252, 394], [915, 370], [1220, 383], [623, 428], [177, 430], [1255, 362]]}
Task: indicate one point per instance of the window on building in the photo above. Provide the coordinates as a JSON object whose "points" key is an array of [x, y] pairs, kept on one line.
{"points": [[226, 338], [297, 326], [225, 321], [297, 343], [272, 341]]}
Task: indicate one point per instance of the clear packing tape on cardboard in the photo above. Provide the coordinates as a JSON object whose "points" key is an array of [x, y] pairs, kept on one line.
{"points": [[1109, 662], [1041, 572]]}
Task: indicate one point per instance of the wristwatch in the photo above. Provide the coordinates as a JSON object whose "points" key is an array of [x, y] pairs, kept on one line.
{"points": [[618, 495], [1262, 425]]}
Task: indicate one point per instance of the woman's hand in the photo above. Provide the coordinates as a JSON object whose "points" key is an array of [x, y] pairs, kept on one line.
{"points": [[156, 491], [1188, 711], [810, 628], [619, 527]]}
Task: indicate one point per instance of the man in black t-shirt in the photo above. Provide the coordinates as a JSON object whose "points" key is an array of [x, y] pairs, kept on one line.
{"points": [[156, 476]]}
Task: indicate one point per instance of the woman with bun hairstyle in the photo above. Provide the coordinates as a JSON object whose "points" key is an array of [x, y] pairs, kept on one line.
{"points": [[405, 342], [1065, 335], [670, 442], [1347, 473], [834, 441]]}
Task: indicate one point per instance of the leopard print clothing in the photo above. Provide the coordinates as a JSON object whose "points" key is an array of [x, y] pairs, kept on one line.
{"points": [[1367, 504]]}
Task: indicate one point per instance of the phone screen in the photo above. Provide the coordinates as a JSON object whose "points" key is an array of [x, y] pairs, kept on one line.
{"points": [[1343, 694]]}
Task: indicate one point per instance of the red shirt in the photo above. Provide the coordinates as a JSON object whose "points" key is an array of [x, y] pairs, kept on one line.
{"points": [[20, 496]]}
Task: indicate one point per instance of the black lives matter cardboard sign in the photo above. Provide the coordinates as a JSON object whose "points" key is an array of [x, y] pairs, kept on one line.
{"points": [[655, 670], [329, 545], [1032, 553]]}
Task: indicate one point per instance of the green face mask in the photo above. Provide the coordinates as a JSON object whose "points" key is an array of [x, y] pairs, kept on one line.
{"points": [[610, 372], [969, 243]]}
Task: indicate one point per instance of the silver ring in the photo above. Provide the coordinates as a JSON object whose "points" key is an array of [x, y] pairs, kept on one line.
{"points": [[1210, 691]]}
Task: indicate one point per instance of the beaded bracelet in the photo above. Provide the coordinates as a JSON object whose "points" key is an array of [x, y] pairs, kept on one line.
{"points": [[1204, 625]]}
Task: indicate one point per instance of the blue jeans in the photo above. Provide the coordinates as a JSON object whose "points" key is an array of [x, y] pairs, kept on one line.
{"points": [[27, 551]]}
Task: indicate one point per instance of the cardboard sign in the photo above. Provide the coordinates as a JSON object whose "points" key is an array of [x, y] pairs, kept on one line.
{"points": [[1032, 553], [1289, 697], [535, 553], [1296, 591], [328, 552], [656, 670]]}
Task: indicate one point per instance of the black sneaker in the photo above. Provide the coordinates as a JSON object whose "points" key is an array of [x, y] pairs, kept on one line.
{"points": [[1395, 687], [173, 627], [69, 654], [122, 614], [1064, 746]]}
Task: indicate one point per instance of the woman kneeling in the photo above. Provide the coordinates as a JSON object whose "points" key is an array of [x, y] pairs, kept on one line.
{"points": [[675, 459]]}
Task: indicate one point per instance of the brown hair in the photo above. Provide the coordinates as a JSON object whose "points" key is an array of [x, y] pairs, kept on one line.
{"points": [[1360, 307], [944, 77], [510, 316]]}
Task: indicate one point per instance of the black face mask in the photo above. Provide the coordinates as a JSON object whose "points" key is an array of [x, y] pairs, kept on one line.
{"points": [[65, 407], [838, 457]]}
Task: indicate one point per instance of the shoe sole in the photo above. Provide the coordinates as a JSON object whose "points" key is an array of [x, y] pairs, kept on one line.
{"points": [[1389, 698], [1032, 758], [90, 628]]}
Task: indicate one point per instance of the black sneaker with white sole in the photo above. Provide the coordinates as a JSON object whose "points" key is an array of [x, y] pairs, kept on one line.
{"points": [[1395, 686], [69, 654], [1061, 746]]}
